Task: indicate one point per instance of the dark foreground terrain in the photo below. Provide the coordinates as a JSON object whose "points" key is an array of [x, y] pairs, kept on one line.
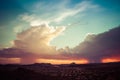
{"points": [[108, 71]]}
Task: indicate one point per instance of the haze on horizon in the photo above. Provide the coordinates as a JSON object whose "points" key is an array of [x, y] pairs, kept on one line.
{"points": [[59, 32]]}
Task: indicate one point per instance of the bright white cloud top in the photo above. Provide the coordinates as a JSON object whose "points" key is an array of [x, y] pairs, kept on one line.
{"points": [[37, 39]]}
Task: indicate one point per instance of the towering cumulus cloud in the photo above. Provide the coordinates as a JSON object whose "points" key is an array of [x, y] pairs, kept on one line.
{"points": [[37, 39], [33, 43]]}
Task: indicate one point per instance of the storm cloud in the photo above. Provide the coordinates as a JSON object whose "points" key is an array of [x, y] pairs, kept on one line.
{"points": [[96, 47]]}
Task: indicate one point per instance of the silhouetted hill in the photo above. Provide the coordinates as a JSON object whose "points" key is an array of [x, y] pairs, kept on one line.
{"points": [[41, 64], [94, 65]]}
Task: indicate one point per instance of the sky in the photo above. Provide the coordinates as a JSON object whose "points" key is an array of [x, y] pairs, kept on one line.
{"points": [[59, 31]]}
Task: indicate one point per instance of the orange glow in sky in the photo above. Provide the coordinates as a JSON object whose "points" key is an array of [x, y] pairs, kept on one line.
{"points": [[106, 60], [54, 61], [9, 60]]}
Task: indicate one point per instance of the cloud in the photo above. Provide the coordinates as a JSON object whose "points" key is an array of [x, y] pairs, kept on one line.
{"points": [[97, 47], [32, 19], [58, 12], [37, 39], [14, 53], [34, 44], [78, 8]]}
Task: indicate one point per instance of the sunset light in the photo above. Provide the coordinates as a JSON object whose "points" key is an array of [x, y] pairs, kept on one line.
{"points": [[59, 31], [59, 39], [10, 60], [53, 61], [107, 60]]}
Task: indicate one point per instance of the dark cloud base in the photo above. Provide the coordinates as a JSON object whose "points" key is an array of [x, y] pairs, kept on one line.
{"points": [[97, 47]]}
